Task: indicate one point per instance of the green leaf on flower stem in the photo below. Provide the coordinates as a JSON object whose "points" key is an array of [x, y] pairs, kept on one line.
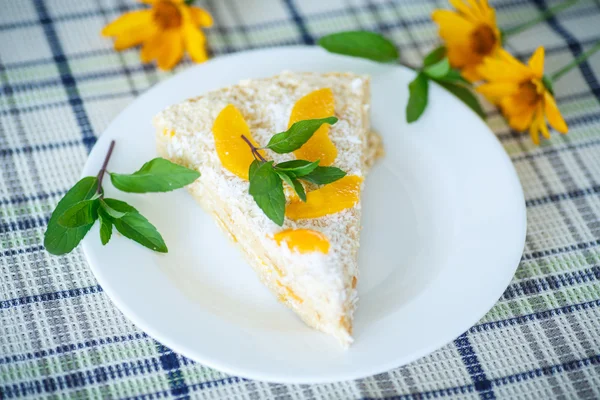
{"points": [[438, 70], [363, 44], [418, 96], [466, 96], [434, 56]]}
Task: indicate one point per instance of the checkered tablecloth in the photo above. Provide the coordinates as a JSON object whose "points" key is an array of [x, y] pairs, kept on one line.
{"points": [[60, 335]]}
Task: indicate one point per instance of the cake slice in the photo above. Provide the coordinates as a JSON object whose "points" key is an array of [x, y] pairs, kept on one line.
{"points": [[309, 263]]}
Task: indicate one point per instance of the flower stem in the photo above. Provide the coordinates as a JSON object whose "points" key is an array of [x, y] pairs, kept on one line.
{"points": [[549, 13], [103, 169], [254, 149], [581, 58]]}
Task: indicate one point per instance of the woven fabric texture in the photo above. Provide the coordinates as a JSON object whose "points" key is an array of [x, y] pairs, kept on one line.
{"points": [[60, 86]]}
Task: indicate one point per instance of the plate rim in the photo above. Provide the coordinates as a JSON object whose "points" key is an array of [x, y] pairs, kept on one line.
{"points": [[208, 361]]}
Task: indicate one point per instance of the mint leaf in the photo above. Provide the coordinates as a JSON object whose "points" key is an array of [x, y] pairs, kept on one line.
{"points": [[438, 70], [299, 189], [105, 226], [294, 184], [116, 208], [363, 44], [267, 190], [58, 239], [297, 168], [417, 100], [80, 214], [434, 56], [466, 96], [297, 135], [324, 175], [136, 227], [157, 175], [253, 167]]}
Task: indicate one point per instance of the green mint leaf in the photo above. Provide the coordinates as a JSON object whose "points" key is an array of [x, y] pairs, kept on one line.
{"points": [[80, 214], [294, 184], [438, 70], [157, 175], [58, 239], [136, 227], [116, 208], [267, 190], [434, 56], [253, 167], [297, 135], [324, 175], [105, 226], [466, 96], [297, 168], [299, 189], [363, 44], [417, 100]]}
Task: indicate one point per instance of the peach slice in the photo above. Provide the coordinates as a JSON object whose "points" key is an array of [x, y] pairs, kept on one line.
{"points": [[328, 199], [317, 104], [233, 151], [303, 240]]}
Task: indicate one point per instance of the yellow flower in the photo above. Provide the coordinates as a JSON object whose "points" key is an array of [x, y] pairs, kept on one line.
{"points": [[520, 92], [164, 31], [470, 34]]}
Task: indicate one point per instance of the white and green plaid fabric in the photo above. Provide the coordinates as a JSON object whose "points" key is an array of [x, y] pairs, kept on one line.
{"points": [[60, 335]]}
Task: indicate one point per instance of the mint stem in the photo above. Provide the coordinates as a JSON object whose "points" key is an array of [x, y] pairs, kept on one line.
{"points": [[549, 13], [254, 149], [103, 169], [582, 57]]}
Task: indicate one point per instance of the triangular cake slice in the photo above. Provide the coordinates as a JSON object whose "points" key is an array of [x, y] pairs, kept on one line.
{"points": [[320, 286]]}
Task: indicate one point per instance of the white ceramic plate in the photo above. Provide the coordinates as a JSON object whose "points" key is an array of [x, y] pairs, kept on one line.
{"points": [[444, 228]]}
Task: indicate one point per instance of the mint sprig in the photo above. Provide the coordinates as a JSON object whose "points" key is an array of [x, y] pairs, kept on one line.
{"points": [[84, 204], [266, 177]]}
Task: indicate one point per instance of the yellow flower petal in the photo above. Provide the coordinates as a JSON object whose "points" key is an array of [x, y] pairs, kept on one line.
{"points": [[503, 70], [469, 72], [553, 114], [151, 48], [497, 90], [201, 17], [127, 21], [544, 129], [452, 25], [534, 128], [171, 49], [469, 12], [519, 116], [135, 36], [195, 43], [536, 62]]}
